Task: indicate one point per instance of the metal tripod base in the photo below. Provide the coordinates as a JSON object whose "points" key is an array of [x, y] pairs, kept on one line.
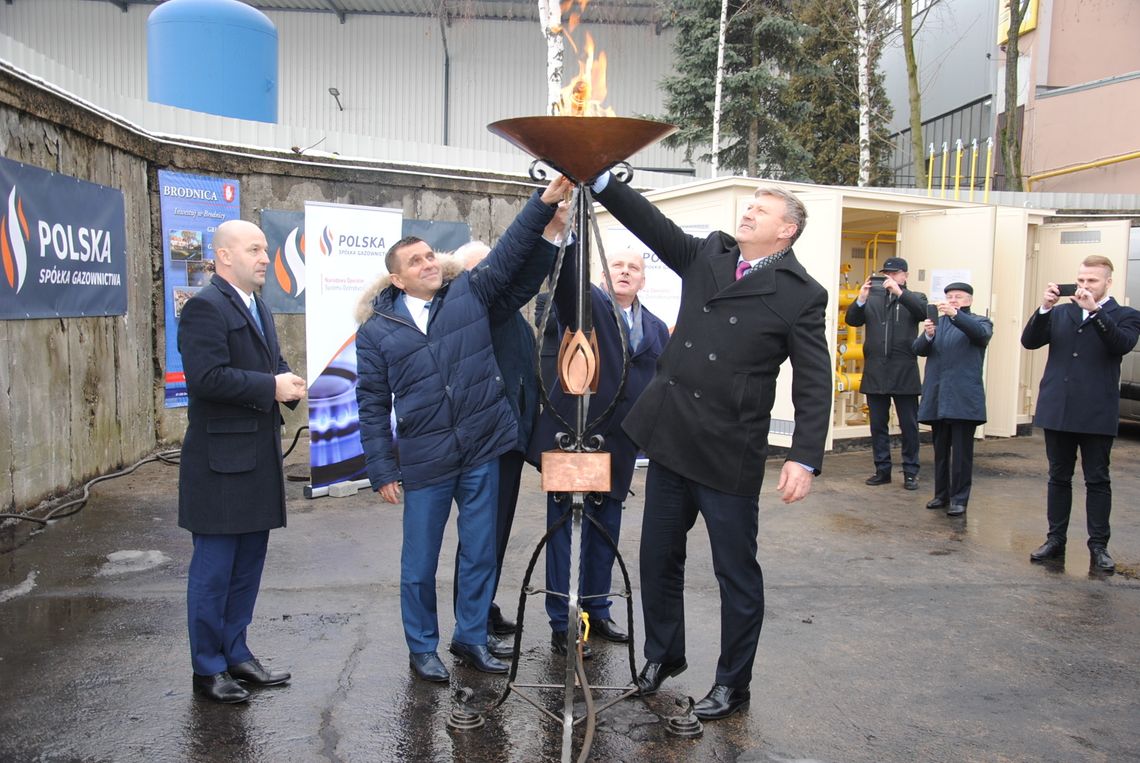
{"points": [[686, 724], [462, 717]]}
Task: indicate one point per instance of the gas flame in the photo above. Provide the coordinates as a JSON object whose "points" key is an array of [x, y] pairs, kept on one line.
{"points": [[584, 96]]}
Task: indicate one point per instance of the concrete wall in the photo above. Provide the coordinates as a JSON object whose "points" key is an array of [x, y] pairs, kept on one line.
{"points": [[83, 396]]}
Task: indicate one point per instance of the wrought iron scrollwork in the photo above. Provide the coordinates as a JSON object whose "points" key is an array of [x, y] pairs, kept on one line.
{"points": [[540, 170], [622, 172]]}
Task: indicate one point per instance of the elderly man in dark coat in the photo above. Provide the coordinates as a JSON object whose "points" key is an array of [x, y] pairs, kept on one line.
{"points": [[747, 305], [231, 489], [953, 393], [891, 314], [1078, 406]]}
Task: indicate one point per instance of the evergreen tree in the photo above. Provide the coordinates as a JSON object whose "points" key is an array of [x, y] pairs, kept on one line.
{"points": [[757, 116], [826, 82]]}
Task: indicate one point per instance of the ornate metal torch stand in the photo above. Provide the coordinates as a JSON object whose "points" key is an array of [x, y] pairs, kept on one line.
{"points": [[581, 148]]}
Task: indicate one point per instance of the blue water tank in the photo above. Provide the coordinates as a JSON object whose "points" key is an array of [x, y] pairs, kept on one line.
{"points": [[216, 56]]}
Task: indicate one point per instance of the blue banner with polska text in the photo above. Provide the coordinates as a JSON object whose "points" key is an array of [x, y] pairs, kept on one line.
{"points": [[62, 245]]}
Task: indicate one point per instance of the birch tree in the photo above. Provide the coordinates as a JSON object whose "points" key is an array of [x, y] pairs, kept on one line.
{"points": [[862, 59], [550, 17], [835, 82]]}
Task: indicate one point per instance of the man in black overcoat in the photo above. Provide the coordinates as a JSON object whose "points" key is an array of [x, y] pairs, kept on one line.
{"points": [[747, 305], [1078, 406], [890, 315], [231, 489]]}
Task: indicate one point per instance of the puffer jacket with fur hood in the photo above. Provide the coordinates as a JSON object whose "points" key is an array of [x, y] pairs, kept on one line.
{"points": [[447, 391]]}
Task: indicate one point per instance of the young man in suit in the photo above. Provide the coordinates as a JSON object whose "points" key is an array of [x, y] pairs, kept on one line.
{"points": [[1078, 406], [747, 304], [231, 489]]}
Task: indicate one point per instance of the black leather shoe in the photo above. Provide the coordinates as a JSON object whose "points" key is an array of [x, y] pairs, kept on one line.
{"points": [[910, 482], [478, 657], [251, 672], [878, 478], [956, 510], [1050, 549], [429, 667], [220, 687], [721, 702], [500, 647], [558, 645], [936, 503], [651, 677], [1101, 561], [498, 624], [609, 630]]}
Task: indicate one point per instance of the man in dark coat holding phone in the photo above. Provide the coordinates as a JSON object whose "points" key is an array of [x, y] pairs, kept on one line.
{"points": [[1078, 406], [231, 489], [953, 393], [891, 314]]}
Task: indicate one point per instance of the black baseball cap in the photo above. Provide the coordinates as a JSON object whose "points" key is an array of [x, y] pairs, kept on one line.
{"points": [[894, 263]]}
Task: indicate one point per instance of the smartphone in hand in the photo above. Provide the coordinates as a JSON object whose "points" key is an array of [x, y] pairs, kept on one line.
{"points": [[1067, 289], [932, 313]]}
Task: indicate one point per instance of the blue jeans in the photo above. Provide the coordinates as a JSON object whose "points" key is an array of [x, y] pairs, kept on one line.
{"points": [[426, 511]]}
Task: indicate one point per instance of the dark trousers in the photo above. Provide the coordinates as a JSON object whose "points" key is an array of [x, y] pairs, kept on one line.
{"points": [[1061, 449], [906, 407], [221, 590], [595, 571], [953, 459], [672, 503]]}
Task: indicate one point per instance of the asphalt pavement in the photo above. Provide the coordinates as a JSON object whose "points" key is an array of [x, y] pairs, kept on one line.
{"points": [[893, 633]]}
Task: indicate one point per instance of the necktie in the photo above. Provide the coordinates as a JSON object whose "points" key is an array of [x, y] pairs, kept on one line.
{"points": [[742, 268], [256, 315], [634, 329]]}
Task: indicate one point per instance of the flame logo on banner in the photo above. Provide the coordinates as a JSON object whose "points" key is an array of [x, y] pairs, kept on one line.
{"points": [[289, 267], [14, 233], [326, 241]]}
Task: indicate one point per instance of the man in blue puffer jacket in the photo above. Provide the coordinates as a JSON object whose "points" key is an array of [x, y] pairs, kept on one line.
{"points": [[425, 351]]}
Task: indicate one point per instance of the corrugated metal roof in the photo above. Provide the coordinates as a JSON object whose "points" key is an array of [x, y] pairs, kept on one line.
{"points": [[600, 11]]}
